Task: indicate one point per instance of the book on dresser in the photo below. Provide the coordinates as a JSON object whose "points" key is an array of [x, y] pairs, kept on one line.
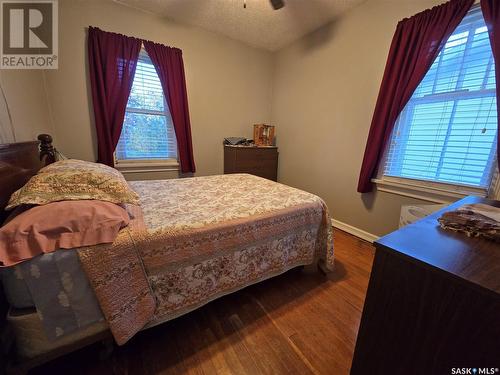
{"points": [[260, 161]]}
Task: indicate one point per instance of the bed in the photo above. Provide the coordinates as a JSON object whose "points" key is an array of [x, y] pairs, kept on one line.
{"points": [[189, 242]]}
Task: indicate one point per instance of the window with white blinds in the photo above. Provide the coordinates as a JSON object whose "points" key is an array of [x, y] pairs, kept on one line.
{"points": [[447, 132], [148, 132]]}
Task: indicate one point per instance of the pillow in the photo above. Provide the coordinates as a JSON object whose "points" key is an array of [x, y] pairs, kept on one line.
{"points": [[59, 225], [74, 180]]}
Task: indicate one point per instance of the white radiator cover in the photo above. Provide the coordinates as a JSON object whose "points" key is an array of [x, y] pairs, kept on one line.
{"points": [[410, 214]]}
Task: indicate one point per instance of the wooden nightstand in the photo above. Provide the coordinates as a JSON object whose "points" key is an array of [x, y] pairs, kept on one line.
{"points": [[259, 161]]}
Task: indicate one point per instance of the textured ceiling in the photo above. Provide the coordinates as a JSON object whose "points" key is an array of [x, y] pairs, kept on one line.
{"points": [[257, 24]]}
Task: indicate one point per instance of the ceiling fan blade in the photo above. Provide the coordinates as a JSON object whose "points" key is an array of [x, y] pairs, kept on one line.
{"points": [[277, 4]]}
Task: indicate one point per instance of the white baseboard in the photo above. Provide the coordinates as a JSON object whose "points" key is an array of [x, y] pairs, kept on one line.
{"points": [[354, 231]]}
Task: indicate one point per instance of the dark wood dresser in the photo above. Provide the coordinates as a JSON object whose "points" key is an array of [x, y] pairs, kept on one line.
{"points": [[259, 161], [433, 302]]}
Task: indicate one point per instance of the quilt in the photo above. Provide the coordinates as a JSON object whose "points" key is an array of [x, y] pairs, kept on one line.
{"points": [[196, 239]]}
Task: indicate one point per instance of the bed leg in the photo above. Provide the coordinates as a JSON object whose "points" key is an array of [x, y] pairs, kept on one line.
{"points": [[322, 268], [107, 348]]}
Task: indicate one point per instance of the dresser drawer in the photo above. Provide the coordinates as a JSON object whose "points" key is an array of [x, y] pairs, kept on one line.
{"points": [[259, 161], [257, 154]]}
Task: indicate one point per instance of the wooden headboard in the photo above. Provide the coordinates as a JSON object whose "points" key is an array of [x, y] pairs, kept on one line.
{"points": [[20, 161]]}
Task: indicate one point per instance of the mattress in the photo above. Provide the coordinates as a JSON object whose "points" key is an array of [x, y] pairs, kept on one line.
{"points": [[56, 285], [31, 340]]}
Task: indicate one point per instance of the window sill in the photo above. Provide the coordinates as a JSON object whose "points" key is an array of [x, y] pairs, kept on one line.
{"points": [[435, 193], [144, 166]]}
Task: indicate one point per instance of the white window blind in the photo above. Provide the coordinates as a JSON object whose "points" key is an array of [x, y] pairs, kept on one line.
{"points": [[148, 132], [447, 132]]}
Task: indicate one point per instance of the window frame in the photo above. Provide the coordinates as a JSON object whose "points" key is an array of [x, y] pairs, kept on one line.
{"points": [[435, 192], [429, 190], [147, 165]]}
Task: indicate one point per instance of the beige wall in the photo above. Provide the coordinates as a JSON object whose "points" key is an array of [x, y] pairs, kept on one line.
{"points": [[229, 84], [324, 92], [320, 93], [26, 100]]}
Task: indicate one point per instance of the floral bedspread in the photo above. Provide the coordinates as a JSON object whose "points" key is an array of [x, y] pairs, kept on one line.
{"points": [[204, 237]]}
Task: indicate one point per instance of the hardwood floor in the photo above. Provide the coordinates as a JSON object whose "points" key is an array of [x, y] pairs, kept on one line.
{"points": [[301, 322]]}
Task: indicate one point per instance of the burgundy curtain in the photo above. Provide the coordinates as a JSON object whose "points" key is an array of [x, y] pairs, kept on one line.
{"points": [[414, 47], [491, 13], [112, 62], [170, 68]]}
